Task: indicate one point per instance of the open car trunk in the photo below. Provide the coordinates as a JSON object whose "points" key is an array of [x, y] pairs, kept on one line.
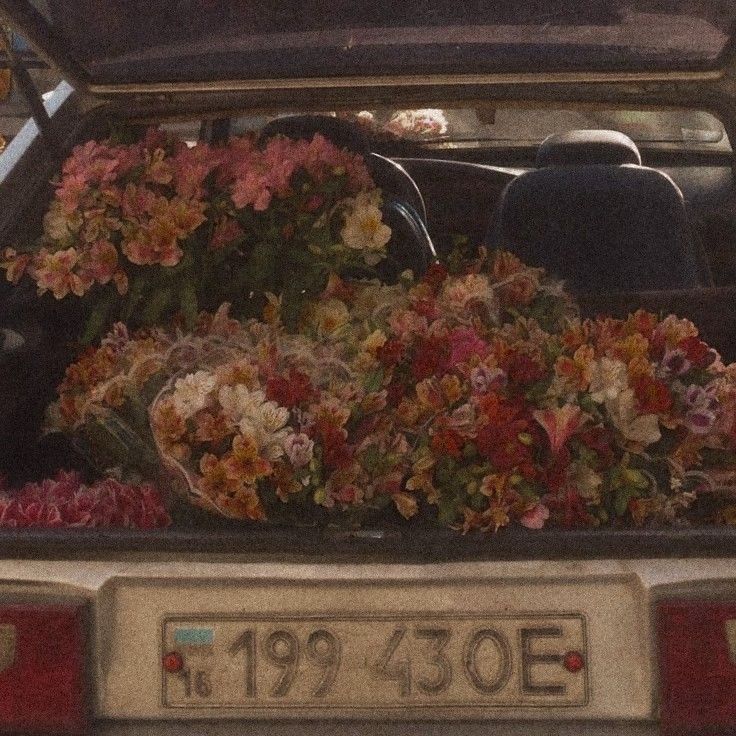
{"points": [[32, 369]]}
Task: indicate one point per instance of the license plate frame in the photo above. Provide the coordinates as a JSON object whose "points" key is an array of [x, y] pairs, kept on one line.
{"points": [[464, 623]]}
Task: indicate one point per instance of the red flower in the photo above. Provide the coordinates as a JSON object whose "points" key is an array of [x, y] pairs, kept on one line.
{"points": [[601, 441], [653, 396], [697, 352], [291, 391], [432, 358], [502, 445], [395, 392], [336, 453], [447, 442], [390, 353], [523, 370], [425, 308], [571, 507], [555, 475]]}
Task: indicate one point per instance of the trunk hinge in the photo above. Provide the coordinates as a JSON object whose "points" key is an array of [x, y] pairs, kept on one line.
{"points": [[29, 90]]}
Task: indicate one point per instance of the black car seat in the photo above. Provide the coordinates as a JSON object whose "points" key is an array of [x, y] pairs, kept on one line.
{"points": [[403, 205], [594, 216]]}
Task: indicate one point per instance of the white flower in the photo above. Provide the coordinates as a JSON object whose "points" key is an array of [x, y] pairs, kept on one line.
{"points": [[643, 429], [608, 378], [265, 420], [272, 417], [59, 225], [428, 121], [191, 393], [239, 403], [459, 293], [364, 228], [299, 449]]}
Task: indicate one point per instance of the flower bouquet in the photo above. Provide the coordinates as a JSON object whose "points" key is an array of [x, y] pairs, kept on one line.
{"points": [[475, 401], [157, 229]]}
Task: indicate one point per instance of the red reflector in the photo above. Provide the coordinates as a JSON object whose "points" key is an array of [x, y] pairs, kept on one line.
{"points": [[573, 662], [42, 672], [697, 666], [173, 662]]}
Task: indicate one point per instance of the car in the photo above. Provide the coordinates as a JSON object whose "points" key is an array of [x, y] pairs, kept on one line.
{"points": [[595, 142]]}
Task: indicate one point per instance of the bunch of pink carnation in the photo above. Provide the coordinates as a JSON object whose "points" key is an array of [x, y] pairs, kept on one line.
{"points": [[66, 501]]}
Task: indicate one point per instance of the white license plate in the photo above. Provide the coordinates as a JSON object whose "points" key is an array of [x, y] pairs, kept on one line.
{"points": [[375, 662]]}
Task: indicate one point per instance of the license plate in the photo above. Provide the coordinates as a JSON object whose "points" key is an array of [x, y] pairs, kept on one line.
{"points": [[374, 662]]}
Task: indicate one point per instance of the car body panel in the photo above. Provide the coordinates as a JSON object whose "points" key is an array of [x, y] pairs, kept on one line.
{"points": [[128, 600]]}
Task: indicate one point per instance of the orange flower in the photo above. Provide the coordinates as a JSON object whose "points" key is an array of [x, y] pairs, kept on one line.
{"points": [[167, 423], [577, 370], [495, 485], [216, 481], [244, 504], [211, 428], [285, 480], [631, 348], [406, 504], [642, 322], [451, 388], [244, 463], [429, 395]]}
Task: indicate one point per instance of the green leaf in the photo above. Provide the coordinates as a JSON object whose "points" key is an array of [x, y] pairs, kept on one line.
{"points": [[189, 304], [157, 306], [622, 497], [138, 288], [374, 380], [97, 319], [448, 509]]}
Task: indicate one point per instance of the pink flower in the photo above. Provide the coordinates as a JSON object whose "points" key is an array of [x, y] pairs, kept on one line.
{"points": [[465, 343], [102, 262], [191, 167], [535, 517], [226, 231], [54, 272], [66, 502], [484, 379], [299, 449], [71, 190], [560, 424]]}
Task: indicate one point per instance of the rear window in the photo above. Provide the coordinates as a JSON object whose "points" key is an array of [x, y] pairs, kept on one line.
{"points": [[492, 127]]}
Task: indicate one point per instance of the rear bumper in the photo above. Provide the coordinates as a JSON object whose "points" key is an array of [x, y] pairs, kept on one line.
{"points": [[384, 728]]}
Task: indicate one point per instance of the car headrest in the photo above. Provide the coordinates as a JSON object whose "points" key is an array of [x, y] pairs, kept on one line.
{"points": [[342, 133], [578, 147], [600, 228]]}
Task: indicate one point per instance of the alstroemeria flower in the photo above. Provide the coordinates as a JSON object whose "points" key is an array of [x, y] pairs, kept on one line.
{"points": [[535, 517], [560, 424], [643, 428], [192, 392], [608, 378], [364, 228]]}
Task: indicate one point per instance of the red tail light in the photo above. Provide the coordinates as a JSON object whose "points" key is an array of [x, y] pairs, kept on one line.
{"points": [[697, 667], [42, 669]]}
